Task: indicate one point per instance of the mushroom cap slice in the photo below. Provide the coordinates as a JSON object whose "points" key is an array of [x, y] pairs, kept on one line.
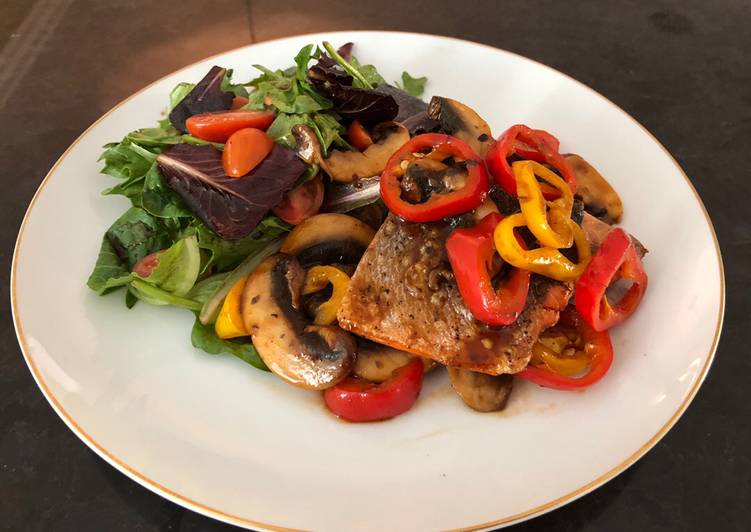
{"points": [[462, 122], [375, 362], [345, 166], [305, 355], [484, 393], [599, 197], [328, 238]]}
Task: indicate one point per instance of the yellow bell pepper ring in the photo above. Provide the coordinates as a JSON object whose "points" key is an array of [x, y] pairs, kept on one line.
{"points": [[229, 323], [548, 220], [545, 260], [317, 279]]}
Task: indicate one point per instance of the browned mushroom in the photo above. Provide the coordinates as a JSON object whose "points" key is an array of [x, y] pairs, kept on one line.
{"points": [[328, 238], [484, 393], [462, 122], [345, 166], [600, 199], [375, 362], [305, 355]]}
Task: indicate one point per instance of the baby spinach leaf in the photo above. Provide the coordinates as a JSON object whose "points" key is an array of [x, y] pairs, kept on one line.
{"points": [[203, 337], [109, 271], [136, 234]]}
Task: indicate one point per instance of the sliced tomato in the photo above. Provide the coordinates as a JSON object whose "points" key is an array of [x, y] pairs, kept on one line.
{"points": [[244, 150], [358, 136], [218, 127], [238, 102], [301, 202], [146, 265], [360, 400]]}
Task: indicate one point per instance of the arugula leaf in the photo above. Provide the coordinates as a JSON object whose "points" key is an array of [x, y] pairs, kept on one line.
{"points": [[203, 337], [155, 136], [412, 86], [136, 234], [126, 160], [368, 72], [302, 59], [227, 85], [329, 131], [280, 129], [109, 271]]}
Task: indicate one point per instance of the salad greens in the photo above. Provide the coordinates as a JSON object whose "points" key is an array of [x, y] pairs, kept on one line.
{"points": [[191, 232]]}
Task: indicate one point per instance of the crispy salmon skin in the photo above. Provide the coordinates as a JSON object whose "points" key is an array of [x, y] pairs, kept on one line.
{"points": [[403, 295]]}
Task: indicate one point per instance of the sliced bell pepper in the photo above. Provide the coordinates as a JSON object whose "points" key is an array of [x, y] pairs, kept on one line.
{"points": [[454, 194], [360, 400], [541, 142], [546, 261], [556, 370], [317, 278], [550, 222], [470, 253], [229, 323], [616, 259]]}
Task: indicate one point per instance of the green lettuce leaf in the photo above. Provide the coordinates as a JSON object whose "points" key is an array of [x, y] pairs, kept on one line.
{"points": [[178, 267], [203, 337]]}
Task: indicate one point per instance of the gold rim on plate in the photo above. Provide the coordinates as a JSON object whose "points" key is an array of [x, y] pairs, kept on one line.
{"points": [[244, 521]]}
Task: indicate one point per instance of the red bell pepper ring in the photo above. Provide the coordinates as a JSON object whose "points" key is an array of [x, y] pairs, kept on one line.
{"points": [[616, 258], [534, 144], [440, 204], [361, 400], [470, 251], [597, 345]]}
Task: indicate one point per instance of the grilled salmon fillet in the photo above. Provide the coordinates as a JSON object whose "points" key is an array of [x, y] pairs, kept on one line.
{"points": [[403, 295]]}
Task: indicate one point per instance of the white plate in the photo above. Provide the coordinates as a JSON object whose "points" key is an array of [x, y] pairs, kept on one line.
{"points": [[221, 438]]}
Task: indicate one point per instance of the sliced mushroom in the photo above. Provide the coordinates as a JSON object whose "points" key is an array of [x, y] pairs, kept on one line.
{"points": [[375, 362], [305, 355], [596, 231], [484, 393], [600, 199], [345, 166], [462, 122], [328, 238]]}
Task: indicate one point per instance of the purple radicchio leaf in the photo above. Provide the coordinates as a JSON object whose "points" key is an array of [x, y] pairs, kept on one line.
{"points": [[232, 207], [413, 112], [367, 106], [205, 97]]}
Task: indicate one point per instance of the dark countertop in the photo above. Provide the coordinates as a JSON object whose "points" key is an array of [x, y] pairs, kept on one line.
{"points": [[679, 67]]}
